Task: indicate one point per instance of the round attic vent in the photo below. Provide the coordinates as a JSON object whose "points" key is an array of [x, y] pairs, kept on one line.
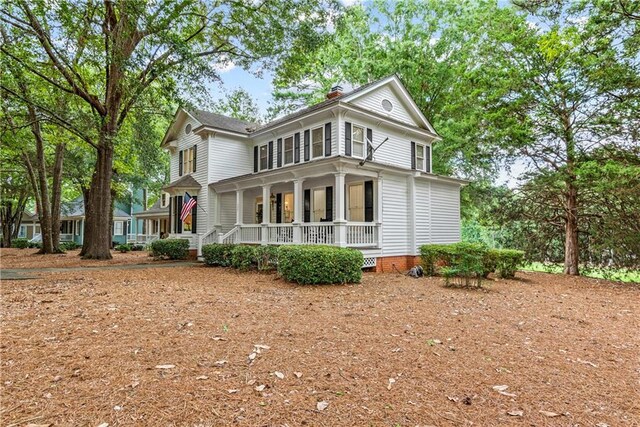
{"points": [[387, 105], [187, 129]]}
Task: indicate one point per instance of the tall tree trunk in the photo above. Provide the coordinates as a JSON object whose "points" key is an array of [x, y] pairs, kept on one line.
{"points": [[97, 219], [12, 218], [56, 197], [87, 235], [571, 251]]}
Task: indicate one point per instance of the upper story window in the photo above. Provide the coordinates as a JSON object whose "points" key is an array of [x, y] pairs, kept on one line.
{"points": [[187, 160], [422, 158], [357, 139], [164, 202], [264, 157], [317, 142], [288, 150]]}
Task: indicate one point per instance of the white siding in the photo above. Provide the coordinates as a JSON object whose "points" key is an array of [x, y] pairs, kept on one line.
{"points": [[229, 157], [203, 195], [227, 211], [373, 101], [394, 215], [184, 142], [423, 213], [445, 213]]}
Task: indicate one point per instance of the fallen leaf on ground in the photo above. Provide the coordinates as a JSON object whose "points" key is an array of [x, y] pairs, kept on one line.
{"points": [[500, 387], [453, 398], [298, 374], [391, 382], [165, 366], [202, 377], [232, 391], [549, 414], [515, 413], [321, 406], [220, 363], [262, 346], [260, 387], [279, 375]]}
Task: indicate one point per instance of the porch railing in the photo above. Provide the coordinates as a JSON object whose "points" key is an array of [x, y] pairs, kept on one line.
{"points": [[142, 238], [362, 234], [280, 233], [251, 233], [318, 234], [66, 237]]}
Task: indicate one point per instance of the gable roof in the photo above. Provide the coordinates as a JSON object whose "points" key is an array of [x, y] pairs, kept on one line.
{"points": [[185, 182], [155, 209], [219, 121], [75, 208]]}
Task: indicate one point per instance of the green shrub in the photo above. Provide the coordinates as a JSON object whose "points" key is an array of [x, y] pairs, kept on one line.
{"points": [[440, 255], [309, 265], [20, 243], [489, 262], [124, 248], [243, 257], [137, 247], [170, 248], [266, 257], [69, 246], [35, 245], [432, 255], [508, 261], [218, 254]]}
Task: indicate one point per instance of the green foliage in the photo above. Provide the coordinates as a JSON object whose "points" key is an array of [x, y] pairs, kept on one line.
{"points": [[137, 247], [218, 254], [69, 246], [243, 257], [170, 248], [124, 248], [311, 265], [239, 104], [507, 262], [20, 243], [35, 245], [266, 257]]}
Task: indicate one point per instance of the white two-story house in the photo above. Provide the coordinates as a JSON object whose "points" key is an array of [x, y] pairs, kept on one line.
{"points": [[351, 171]]}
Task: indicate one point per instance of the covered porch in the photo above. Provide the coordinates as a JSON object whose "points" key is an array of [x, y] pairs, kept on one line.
{"points": [[329, 205]]}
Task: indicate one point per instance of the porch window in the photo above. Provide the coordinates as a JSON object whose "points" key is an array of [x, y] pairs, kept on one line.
{"points": [[66, 227], [77, 228], [356, 202], [23, 231], [287, 208], [319, 204], [187, 224], [420, 157], [357, 139], [264, 157], [259, 210], [317, 142], [118, 228], [288, 150]]}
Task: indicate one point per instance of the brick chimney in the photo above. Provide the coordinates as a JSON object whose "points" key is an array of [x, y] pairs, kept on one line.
{"points": [[335, 92]]}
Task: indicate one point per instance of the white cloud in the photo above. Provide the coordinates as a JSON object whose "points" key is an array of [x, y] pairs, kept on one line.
{"points": [[224, 65], [348, 3]]}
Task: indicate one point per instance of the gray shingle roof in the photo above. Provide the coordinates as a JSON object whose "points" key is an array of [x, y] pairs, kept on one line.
{"points": [[222, 122], [155, 209], [75, 208], [186, 182]]}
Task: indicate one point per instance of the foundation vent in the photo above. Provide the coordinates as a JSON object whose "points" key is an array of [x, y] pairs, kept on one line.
{"points": [[369, 262]]}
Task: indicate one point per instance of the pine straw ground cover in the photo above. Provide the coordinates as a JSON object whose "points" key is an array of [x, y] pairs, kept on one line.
{"points": [[29, 258], [197, 346]]}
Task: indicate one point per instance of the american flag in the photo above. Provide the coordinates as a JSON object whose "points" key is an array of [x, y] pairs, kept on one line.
{"points": [[188, 203]]}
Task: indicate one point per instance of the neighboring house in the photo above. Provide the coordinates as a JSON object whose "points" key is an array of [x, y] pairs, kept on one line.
{"points": [[29, 225], [72, 220], [153, 222], [351, 171]]}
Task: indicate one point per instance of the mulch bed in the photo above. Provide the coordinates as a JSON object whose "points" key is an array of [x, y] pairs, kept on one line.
{"points": [[29, 258], [214, 347]]}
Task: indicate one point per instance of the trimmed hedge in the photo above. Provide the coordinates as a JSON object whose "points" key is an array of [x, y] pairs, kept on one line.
{"points": [[20, 243], [124, 248], [470, 259], [243, 257], [218, 254], [69, 246], [266, 257], [170, 248], [310, 265]]}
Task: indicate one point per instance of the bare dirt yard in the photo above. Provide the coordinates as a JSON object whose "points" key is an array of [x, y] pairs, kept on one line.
{"points": [[29, 258], [198, 346]]}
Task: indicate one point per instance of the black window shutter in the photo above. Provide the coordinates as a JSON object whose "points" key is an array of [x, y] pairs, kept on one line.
{"points": [[307, 205], [178, 210], [427, 157], [413, 155], [180, 163], [194, 216], [368, 201], [170, 213], [279, 208], [296, 147], [328, 216], [195, 157], [327, 139], [369, 144], [307, 136], [347, 139], [270, 154], [255, 159], [279, 155]]}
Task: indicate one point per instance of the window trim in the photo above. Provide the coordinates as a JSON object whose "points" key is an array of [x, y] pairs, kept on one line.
{"points": [[121, 223], [266, 159], [187, 160], [311, 143], [312, 203], [364, 141], [284, 150]]}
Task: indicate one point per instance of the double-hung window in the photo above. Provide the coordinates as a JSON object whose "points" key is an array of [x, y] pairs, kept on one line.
{"points": [[357, 139], [420, 157], [188, 161], [118, 228], [288, 150], [317, 142], [264, 157]]}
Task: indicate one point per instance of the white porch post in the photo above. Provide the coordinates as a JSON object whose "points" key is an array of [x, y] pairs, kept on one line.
{"points": [[340, 223], [216, 210], [379, 185], [297, 210], [266, 213], [239, 206]]}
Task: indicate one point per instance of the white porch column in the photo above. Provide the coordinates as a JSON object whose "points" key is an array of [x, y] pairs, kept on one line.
{"points": [[298, 201], [266, 213], [239, 206], [216, 210], [340, 223], [379, 185]]}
